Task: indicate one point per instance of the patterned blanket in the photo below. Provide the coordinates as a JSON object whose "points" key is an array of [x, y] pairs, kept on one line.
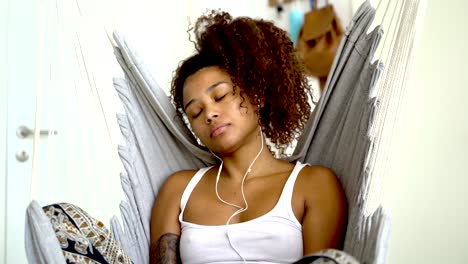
{"points": [[82, 238]]}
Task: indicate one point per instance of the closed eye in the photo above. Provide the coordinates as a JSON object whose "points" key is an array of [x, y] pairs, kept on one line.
{"points": [[220, 98], [196, 115]]}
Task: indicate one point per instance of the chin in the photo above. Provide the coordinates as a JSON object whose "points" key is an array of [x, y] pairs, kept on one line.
{"points": [[225, 148], [223, 151]]}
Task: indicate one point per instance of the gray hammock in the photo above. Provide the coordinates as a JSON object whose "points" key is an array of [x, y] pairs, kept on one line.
{"points": [[158, 144]]}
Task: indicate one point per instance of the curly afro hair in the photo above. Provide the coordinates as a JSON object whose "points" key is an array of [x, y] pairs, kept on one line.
{"points": [[263, 64]]}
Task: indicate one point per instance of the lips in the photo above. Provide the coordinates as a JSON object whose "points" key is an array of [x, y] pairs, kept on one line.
{"points": [[218, 129]]}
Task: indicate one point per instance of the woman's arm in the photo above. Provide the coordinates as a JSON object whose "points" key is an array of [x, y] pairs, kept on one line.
{"points": [[165, 226], [326, 211], [165, 249]]}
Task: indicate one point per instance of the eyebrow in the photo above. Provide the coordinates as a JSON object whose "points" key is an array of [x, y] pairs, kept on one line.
{"points": [[209, 89]]}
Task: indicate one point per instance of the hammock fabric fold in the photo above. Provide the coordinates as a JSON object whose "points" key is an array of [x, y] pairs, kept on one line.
{"points": [[158, 144], [338, 136]]}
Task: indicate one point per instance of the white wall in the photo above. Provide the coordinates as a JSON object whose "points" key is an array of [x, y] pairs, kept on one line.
{"points": [[3, 122], [159, 34], [425, 189]]}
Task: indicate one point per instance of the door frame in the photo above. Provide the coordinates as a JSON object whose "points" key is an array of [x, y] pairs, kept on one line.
{"points": [[3, 123]]}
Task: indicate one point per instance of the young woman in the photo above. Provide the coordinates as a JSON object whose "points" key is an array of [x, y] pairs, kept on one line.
{"points": [[243, 88]]}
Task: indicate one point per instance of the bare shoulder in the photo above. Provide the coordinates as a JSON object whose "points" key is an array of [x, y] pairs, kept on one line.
{"points": [[164, 225], [326, 208], [170, 192], [178, 179], [166, 207], [174, 185], [319, 177], [319, 185]]}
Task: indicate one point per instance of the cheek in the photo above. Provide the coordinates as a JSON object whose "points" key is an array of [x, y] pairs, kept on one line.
{"points": [[248, 111], [244, 107], [196, 129]]}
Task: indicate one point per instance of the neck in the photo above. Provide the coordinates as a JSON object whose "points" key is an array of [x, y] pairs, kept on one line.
{"points": [[236, 164]]}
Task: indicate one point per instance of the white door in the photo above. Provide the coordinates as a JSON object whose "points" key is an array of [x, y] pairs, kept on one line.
{"points": [[21, 78], [58, 79]]}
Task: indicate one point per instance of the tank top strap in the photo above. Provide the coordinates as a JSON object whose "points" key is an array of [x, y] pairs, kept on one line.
{"points": [[285, 199], [190, 186]]}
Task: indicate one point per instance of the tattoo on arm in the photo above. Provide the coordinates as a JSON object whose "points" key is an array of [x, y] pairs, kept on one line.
{"points": [[165, 250]]}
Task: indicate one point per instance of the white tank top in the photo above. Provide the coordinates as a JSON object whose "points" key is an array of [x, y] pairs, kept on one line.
{"points": [[275, 237]]}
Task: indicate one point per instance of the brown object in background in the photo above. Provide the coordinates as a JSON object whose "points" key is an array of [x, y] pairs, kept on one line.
{"points": [[276, 2], [318, 41]]}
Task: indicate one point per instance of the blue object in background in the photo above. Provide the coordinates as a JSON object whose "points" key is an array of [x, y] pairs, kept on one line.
{"points": [[296, 19], [312, 4]]}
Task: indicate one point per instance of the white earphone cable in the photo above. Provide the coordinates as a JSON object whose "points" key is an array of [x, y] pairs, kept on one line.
{"points": [[240, 209]]}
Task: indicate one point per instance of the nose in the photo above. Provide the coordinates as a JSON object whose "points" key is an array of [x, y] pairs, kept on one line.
{"points": [[211, 114]]}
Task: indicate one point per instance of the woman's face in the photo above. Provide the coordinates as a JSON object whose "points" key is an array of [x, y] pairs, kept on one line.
{"points": [[220, 118]]}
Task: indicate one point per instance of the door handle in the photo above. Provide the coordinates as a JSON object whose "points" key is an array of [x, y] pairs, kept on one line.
{"points": [[25, 132]]}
